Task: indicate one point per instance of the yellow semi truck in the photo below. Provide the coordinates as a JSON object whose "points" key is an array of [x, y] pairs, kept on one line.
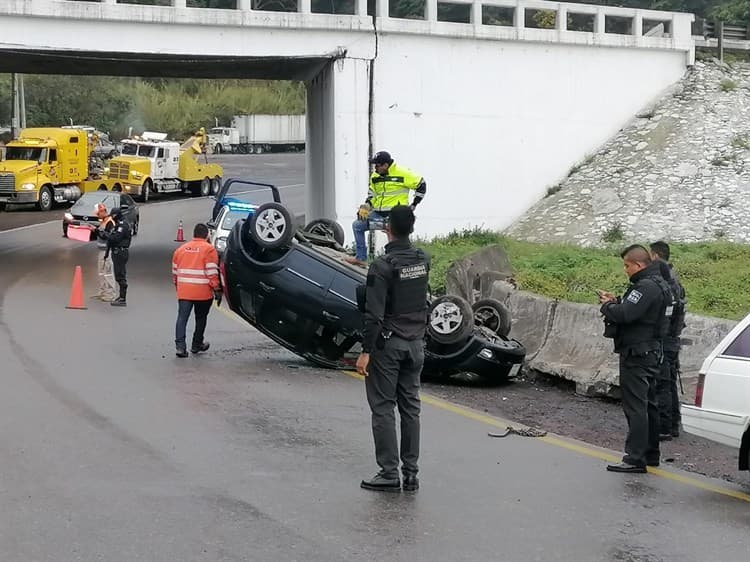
{"points": [[152, 164], [47, 166]]}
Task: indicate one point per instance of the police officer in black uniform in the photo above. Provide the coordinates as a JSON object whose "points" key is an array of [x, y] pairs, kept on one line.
{"points": [[667, 392], [395, 318], [638, 322], [118, 242]]}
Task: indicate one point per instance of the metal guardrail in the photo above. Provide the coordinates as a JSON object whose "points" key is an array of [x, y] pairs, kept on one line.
{"points": [[720, 36]]}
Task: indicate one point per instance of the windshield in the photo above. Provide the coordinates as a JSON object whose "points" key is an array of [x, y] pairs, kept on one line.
{"points": [[130, 149], [232, 217], [86, 205], [18, 153], [216, 131]]}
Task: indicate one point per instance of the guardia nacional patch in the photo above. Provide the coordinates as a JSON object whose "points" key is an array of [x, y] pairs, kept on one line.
{"points": [[635, 296], [412, 272]]}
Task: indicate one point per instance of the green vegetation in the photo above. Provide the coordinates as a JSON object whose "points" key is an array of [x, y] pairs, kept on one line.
{"points": [[741, 141], [727, 85], [613, 234], [174, 106], [716, 275]]}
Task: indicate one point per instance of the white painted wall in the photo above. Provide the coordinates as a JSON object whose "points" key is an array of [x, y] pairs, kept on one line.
{"points": [[491, 125]]}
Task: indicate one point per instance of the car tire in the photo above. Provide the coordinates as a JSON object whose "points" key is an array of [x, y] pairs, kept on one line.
{"points": [[271, 226], [451, 320], [492, 314], [215, 185], [326, 227], [46, 199], [136, 224]]}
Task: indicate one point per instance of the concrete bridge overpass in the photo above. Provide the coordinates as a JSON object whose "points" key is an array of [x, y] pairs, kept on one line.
{"points": [[491, 114]]}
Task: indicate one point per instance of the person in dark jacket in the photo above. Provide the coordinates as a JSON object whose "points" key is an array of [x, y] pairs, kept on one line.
{"points": [[667, 392], [395, 319], [638, 323], [118, 242]]}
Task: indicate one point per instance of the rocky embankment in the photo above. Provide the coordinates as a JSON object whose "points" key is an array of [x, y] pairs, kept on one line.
{"points": [[679, 171]]}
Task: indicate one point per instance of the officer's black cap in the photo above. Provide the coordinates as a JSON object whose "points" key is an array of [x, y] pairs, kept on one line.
{"points": [[381, 157]]}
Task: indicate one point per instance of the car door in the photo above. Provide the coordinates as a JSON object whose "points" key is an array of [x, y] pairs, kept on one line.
{"points": [[341, 303]]}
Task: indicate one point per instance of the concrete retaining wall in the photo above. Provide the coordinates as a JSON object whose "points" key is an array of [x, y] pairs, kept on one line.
{"points": [[565, 340]]}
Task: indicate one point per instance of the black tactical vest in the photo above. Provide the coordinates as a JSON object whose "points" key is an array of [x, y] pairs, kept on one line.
{"points": [[410, 277]]}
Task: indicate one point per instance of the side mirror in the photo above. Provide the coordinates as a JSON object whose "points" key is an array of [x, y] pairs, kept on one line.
{"points": [[211, 224]]}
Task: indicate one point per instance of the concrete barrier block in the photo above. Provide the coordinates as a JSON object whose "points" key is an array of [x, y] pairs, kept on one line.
{"points": [[464, 275], [532, 318], [575, 350], [700, 336]]}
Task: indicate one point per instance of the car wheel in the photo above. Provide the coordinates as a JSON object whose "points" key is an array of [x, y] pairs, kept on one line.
{"points": [[215, 185], [271, 226], [492, 314], [451, 319], [46, 200], [136, 224], [326, 227]]}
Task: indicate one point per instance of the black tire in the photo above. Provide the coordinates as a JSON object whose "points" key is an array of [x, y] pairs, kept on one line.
{"points": [[493, 315], [117, 187], [136, 224], [215, 185], [205, 187], [218, 149], [46, 199], [326, 227], [102, 187], [145, 191], [271, 226], [451, 320]]}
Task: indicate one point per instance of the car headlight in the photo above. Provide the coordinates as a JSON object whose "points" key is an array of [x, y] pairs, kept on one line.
{"points": [[28, 186], [221, 244], [68, 217], [486, 354]]}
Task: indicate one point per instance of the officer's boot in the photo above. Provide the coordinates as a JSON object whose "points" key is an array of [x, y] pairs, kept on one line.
{"points": [[120, 301]]}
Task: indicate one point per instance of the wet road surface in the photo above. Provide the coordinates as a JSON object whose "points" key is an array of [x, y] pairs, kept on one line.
{"points": [[113, 449]]}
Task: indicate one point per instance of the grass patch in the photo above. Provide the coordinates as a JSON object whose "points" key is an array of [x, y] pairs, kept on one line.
{"points": [[741, 141], [613, 234], [716, 275], [727, 85]]}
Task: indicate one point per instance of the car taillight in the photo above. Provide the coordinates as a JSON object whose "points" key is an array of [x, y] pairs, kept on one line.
{"points": [[699, 390]]}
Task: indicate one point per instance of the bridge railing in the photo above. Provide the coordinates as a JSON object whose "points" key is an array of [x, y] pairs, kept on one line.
{"points": [[512, 19]]}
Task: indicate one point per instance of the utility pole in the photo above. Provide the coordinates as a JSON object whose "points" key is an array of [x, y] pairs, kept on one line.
{"points": [[22, 102], [14, 106]]}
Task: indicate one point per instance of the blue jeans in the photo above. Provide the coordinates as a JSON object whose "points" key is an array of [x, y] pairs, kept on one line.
{"points": [[360, 227], [184, 307]]}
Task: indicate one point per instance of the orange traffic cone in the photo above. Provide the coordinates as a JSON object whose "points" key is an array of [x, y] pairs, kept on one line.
{"points": [[76, 291], [180, 234]]}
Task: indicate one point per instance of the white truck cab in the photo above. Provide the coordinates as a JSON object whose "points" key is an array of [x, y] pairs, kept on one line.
{"points": [[722, 401], [221, 139]]}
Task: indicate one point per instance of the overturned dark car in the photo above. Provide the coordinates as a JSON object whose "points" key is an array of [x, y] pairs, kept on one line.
{"points": [[293, 285]]}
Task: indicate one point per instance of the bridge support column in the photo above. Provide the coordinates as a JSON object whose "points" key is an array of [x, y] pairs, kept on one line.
{"points": [[338, 141]]}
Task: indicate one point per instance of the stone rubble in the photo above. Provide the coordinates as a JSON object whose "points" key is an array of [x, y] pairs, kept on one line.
{"points": [[680, 171]]}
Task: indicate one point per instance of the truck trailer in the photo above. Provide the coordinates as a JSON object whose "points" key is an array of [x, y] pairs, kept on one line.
{"points": [[255, 134]]}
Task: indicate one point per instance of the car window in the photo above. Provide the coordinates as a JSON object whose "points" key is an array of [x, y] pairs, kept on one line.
{"points": [[129, 149], [232, 217], [740, 347], [126, 200], [86, 205]]}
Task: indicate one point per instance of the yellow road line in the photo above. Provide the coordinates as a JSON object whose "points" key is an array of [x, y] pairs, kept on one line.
{"points": [[557, 441], [571, 445]]}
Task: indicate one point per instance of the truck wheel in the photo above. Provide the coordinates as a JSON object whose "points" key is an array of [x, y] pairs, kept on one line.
{"points": [[493, 315], [145, 191], [46, 200], [451, 319], [102, 187], [215, 185], [271, 226], [259, 149], [117, 187], [217, 149], [205, 187]]}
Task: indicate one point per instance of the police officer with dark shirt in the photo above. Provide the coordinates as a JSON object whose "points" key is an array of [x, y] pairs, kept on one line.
{"points": [[118, 242], [395, 318], [667, 393], [638, 322]]}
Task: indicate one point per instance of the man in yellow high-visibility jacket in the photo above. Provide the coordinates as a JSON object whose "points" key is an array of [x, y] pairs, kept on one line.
{"points": [[390, 185]]}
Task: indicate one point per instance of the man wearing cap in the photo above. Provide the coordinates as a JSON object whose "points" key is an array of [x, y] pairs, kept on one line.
{"points": [[389, 186]]}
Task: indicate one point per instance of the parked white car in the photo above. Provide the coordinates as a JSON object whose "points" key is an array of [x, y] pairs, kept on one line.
{"points": [[219, 229], [722, 401]]}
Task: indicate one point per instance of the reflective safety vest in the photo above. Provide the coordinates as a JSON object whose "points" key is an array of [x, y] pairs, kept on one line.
{"points": [[195, 268], [393, 188]]}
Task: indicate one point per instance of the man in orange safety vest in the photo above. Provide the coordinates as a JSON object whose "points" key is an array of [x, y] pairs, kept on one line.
{"points": [[195, 269]]}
